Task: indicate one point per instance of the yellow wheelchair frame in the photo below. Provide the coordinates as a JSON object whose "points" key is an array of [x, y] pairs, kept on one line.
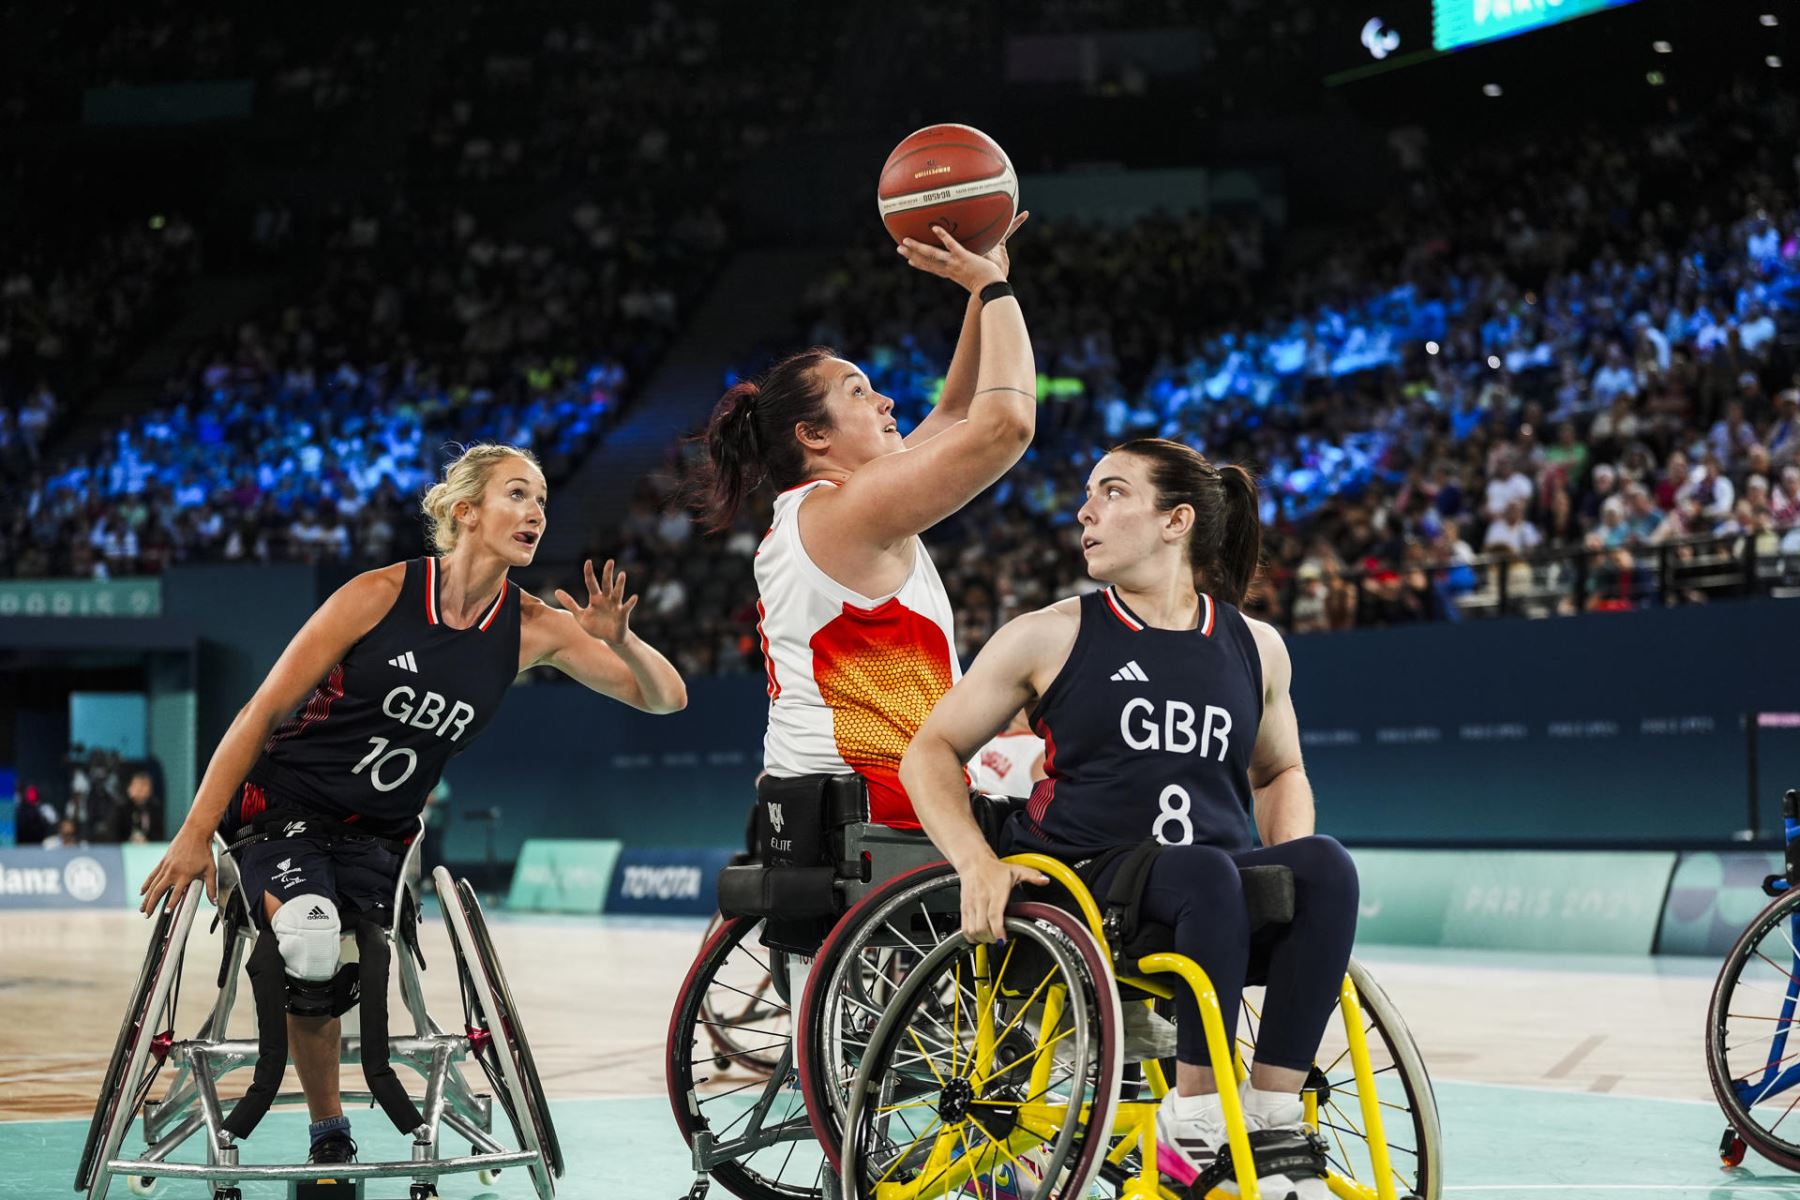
{"points": [[953, 1163]]}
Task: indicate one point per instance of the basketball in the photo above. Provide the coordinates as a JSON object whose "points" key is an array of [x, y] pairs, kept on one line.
{"points": [[953, 176]]}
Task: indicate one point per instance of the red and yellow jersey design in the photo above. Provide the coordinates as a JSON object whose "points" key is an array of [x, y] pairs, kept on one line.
{"points": [[851, 677]]}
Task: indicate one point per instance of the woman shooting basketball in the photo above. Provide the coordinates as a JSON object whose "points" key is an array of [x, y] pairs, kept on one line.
{"points": [[855, 624]]}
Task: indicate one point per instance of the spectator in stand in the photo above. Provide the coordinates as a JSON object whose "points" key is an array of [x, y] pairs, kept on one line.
{"points": [[1512, 533], [140, 818]]}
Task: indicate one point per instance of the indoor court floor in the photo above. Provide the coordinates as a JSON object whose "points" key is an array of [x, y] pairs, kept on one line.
{"points": [[1557, 1076]]}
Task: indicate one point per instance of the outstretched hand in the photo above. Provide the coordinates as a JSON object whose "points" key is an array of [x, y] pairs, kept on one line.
{"points": [[607, 614]]}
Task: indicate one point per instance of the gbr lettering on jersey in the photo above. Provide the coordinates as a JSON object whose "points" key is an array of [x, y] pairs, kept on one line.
{"points": [[1175, 734], [375, 736], [388, 769], [1148, 733]]}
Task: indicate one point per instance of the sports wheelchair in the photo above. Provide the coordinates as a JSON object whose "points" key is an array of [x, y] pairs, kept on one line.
{"points": [[491, 1033], [1751, 1017], [893, 1015]]}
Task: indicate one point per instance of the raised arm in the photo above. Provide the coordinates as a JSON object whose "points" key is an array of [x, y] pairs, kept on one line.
{"points": [[1284, 799], [1004, 678], [899, 495], [965, 363], [594, 645], [321, 644]]}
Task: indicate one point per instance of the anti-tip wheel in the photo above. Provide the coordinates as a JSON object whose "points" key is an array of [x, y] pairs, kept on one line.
{"points": [[487, 1175], [140, 1185]]}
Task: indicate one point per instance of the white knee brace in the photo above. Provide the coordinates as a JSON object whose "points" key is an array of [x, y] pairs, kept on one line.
{"points": [[306, 929]]}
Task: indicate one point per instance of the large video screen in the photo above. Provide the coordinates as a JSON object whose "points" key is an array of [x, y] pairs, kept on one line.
{"points": [[1459, 23]]}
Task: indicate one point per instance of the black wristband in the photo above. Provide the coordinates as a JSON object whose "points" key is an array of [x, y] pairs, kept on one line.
{"points": [[994, 291]]}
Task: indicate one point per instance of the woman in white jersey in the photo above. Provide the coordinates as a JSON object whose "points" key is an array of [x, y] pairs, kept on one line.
{"points": [[855, 625]]}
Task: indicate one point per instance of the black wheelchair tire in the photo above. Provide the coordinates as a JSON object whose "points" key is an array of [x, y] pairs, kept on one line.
{"points": [[735, 1177], [512, 1033]]}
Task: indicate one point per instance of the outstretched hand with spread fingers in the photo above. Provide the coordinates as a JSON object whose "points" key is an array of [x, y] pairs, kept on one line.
{"points": [[607, 614]]}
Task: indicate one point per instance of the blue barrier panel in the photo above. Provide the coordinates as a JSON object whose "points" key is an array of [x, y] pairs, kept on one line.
{"points": [[674, 882], [72, 877]]}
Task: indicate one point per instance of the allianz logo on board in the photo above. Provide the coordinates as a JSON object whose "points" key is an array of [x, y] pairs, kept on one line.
{"points": [[81, 878]]}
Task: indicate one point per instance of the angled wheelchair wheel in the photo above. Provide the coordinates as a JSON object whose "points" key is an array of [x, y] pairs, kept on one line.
{"points": [[746, 1123], [143, 1041], [738, 1023], [1753, 1035], [990, 1069], [854, 978], [1409, 1114], [497, 1032]]}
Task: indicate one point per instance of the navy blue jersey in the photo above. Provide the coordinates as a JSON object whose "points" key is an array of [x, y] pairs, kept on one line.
{"points": [[1147, 734], [371, 742]]}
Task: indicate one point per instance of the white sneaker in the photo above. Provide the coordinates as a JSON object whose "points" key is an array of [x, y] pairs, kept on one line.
{"points": [[1284, 1111], [1189, 1132]]}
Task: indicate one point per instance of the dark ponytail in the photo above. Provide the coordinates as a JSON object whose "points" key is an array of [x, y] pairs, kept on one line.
{"points": [[750, 437], [1240, 545], [1225, 547]]}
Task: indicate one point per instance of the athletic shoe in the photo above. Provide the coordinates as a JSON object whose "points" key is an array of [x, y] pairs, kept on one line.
{"points": [[1285, 1112], [1190, 1132], [333, 1148]]}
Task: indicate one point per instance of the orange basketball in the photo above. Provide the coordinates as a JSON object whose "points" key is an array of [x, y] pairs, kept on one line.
{"points": [[953, 176]]}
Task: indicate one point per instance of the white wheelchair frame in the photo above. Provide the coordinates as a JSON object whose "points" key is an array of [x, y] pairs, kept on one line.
{"points": [[492, 1035]]}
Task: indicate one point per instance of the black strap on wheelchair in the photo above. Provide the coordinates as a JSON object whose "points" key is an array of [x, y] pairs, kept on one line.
{"points": [[1296, 1152], [268, 987], [270, 824], [373, 960]]}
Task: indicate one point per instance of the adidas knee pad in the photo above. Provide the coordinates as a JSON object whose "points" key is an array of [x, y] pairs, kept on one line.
{"points": [[306, 931]]}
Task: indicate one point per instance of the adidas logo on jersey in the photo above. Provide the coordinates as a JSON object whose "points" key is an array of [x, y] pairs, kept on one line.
{"points": [[318, 914], [1131, 671], [406, 662]]}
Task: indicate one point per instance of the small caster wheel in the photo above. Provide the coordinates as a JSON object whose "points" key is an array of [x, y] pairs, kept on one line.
{"points": [[228, 1194], [487, 1175], [140, 1185], [1731, 1149], [422, 1191]]}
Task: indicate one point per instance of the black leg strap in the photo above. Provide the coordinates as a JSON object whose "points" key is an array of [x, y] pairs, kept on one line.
{"points": [[373, 951], [268, 987]]}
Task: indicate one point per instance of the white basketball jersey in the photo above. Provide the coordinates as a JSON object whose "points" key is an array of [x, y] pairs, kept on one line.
{"points": [[1003, 766], [851, 678]]}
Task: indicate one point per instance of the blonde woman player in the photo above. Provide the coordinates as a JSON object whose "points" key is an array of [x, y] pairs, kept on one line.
{"points": [[339, 747], [855, 625]]}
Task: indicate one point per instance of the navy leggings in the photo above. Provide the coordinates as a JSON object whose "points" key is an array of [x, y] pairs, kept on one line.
{"points": [[1195, 890]]}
